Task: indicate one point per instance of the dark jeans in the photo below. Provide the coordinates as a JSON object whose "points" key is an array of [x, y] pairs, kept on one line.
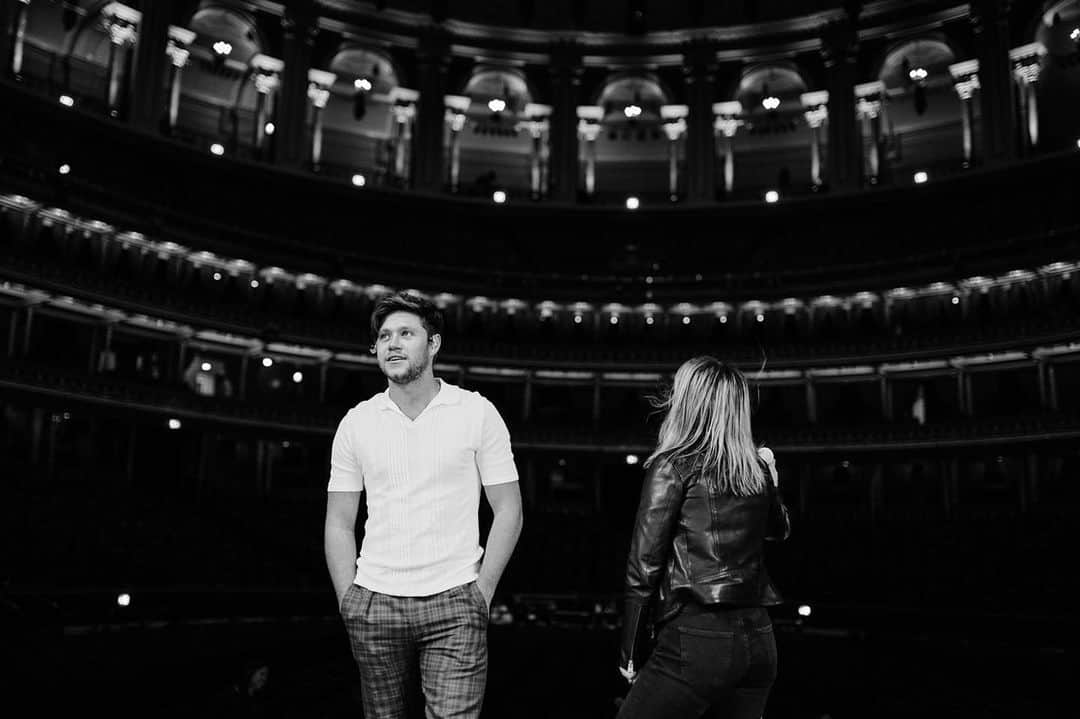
{"points": [[707, 663]]}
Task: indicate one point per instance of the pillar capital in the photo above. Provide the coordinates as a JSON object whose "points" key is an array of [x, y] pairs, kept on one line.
{"points": [[266, 73], [1027, 61], [965, 77], [122, 23], [179, 40]]}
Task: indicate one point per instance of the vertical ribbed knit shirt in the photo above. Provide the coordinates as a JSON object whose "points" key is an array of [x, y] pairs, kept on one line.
{"points": [[422, 481]]}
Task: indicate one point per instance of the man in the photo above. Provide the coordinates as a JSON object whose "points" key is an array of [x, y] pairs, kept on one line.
{"points": [[418, 594]]}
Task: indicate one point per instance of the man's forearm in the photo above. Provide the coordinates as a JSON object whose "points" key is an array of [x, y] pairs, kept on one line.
{"points": [[505, 530], [340, 546]]}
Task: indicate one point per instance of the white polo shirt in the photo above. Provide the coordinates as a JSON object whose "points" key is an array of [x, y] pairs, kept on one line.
{"points": [[422, 478]]}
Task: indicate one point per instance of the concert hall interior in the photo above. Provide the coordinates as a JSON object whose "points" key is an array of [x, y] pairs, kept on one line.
{"points": [[870, 207]]}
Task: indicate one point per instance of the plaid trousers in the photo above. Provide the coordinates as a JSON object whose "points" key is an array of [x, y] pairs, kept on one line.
{"points": [[443, 635]]}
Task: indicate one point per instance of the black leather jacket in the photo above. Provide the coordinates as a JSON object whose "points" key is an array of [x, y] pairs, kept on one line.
{"points": [[690, 544]]}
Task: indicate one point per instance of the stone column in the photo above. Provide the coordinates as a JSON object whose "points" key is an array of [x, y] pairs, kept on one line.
{"points": [[537, 124], [121, 22], [319, 84], [589, 117], [699, 75], [840, 52], [432, 59], [299, 31], [990, 23], [966, 81], [868, 105], [180, 40], [151, 58], [266, 76], [456, 108], [816, 113], [1027, 62], [674, 129], [403, 110], [12, 45], [565, 84], [727, 123]]}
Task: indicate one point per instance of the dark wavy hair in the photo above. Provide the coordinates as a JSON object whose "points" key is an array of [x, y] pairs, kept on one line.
{"points": [[428, 312]]}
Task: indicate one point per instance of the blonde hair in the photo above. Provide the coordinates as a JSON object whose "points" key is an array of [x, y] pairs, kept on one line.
{"points": [[707, 422]]}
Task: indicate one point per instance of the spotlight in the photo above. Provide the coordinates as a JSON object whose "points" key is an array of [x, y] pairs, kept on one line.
{"points": [[632, 111], [632, 203], [206, 366], [270, 127], [772, 197], [917, 74], [217, 149], [67, 101], [499, 197], [267, 362], [359, 180], [217, 277], [64, 169], [804, 610], [1075, 34], [649, 319], [174, 423], [254, 284], [362, 83], [955, 300], [723, 319], [631, 459], [577, 319], [123, 600], [222, 48], [760, 318], [770, 103], [496, 105], [685, 320], [614, 319], [297, 377], [921, 177]]}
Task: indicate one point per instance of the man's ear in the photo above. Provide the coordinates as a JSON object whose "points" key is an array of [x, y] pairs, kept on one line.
{"points": [[435, 341]]}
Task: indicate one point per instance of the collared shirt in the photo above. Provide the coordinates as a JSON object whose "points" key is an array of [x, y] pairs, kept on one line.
{"points": [[422, 479]]}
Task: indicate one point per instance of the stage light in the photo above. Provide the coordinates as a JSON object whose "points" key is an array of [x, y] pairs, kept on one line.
{"points": [[217, 149], [217, 277], [267, 362], [297, 377], [770, 103], [631, 459], [270, 127], [206, 366], [362, 83], [67, 101], [685, 320], [772, 196], [917, 74], [804, 610], [123, 600], [614, 319], [632, 111], [723, 319], [222, 48], [577, 319], [761, 318], [955, 300], [921, 177], [496, 105], [649, 319], [1075, 34], [499, 197], [632, 203], [174, 423], [64, 169], [254, 284], [359, 180]]}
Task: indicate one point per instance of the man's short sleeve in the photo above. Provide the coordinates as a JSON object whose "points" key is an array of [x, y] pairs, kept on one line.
{"points": [[346, 473], [494, 459]]}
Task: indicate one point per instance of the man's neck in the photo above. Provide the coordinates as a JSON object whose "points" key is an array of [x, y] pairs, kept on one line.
{"points": [[413, 397]]}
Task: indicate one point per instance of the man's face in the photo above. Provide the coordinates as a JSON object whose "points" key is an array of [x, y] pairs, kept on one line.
{"points": [[403, 348]]}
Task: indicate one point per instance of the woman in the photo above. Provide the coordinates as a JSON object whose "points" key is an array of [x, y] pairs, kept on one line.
{"points": [[709, 500]]}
